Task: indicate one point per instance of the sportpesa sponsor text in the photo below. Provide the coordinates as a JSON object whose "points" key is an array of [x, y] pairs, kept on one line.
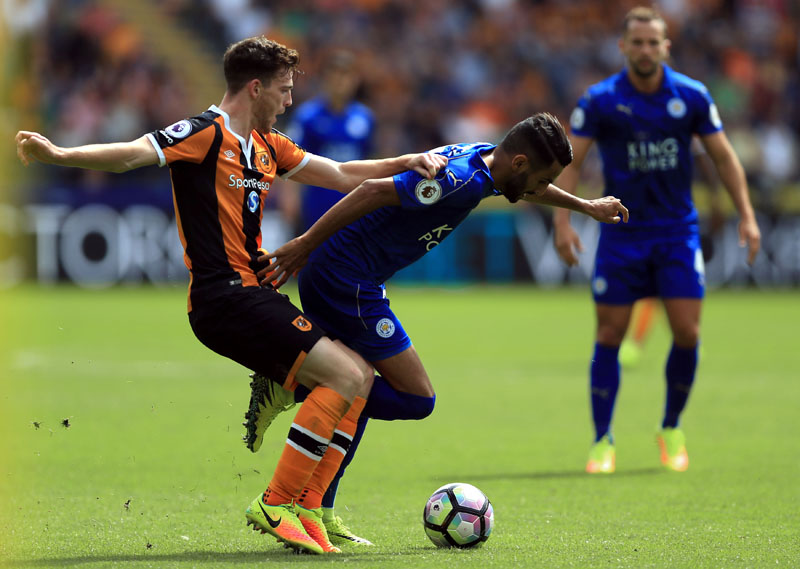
{"points": [[249, 183]]}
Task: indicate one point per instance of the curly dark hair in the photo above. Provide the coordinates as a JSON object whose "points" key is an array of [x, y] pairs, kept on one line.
{"points": [[257, 58]]}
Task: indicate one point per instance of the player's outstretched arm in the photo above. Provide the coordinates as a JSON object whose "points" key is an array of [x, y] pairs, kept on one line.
{"points": [[607, 209], [732, 175], [345, 176], [291, 257], [112, 157]]}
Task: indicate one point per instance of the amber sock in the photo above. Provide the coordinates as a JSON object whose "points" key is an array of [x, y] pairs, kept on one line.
{"points": [[311, 496], [306, 444]]}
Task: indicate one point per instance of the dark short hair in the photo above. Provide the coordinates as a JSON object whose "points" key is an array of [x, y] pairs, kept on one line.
{"points": [[541, 138], [257, 58], [643, 14]]}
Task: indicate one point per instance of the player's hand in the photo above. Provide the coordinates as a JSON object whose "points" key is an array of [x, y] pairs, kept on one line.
{"points": [[32, 146], [286, 260], [750, 236], [427, 164], [608, 209], [567, 243]]}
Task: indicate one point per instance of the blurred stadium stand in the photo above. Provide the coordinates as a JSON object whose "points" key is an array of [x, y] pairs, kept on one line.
{"points": [[436, 71]]}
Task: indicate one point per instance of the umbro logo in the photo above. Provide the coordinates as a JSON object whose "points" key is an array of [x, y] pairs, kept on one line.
{"points": [[270, 521], [229, 154]]}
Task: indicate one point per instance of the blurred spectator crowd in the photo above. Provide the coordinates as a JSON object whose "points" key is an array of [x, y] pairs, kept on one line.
{"points": [[434, 71]]}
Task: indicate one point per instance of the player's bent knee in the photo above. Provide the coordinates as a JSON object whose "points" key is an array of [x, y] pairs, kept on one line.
{"points": [[387, 404], [420, 407], [328, 365]]}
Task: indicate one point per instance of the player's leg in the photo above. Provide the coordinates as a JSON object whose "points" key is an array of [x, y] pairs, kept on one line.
{"points": [[334, 380], [621, 277], [386, 403], [682, 285], [403, 389], [612, 322], [338, 531], [310, 501], [261, 330], [681, 368], [358, 312]]}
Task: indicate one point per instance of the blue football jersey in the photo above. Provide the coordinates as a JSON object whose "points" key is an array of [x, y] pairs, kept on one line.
{"points": [[339, 136], [390, 238], [645, 145]]}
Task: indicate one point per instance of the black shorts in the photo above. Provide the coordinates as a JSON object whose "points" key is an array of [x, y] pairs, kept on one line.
{"points": [[258, 328]]}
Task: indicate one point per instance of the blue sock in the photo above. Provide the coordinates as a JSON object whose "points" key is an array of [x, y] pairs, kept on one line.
{"points": [[681, 368], [388, 404], [329, 499], [604, 385]]}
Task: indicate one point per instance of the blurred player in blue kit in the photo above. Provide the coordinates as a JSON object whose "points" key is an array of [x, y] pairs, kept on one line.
{"points": [[334, 125], [645, 311], [387, 224], [643, 119]]}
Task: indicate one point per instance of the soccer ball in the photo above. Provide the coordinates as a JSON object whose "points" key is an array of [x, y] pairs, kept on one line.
{"points": [[458, 515]]}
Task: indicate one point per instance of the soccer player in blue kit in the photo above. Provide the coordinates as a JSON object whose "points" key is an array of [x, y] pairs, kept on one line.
{"points": [[387, 224], [643, 119], [333, 125]]}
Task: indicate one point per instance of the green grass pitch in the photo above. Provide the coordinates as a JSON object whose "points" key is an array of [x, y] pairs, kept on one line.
{"points": [[151, 471]]}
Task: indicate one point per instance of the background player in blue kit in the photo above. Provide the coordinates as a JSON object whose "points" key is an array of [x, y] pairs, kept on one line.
{"points": [[334, 125], [643, 119], [389, 223]]}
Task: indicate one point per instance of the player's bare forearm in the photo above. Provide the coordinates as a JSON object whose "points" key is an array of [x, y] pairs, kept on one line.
{"points": [[291, 257], [112, 157], [730, 172], [426, 164], [346, 176], [606, 210], [732, 175]]}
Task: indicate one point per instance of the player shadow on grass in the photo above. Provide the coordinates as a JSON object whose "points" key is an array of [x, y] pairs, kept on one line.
{"points": [[554, 474]]}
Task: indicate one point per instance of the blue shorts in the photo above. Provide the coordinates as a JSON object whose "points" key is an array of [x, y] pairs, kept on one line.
{"points": [[352, 310], [633, 266]]}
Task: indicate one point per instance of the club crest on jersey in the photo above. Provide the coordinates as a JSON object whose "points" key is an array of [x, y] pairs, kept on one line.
{"points": [[180, 129], [384, 328], [302, 324], [428, 191], [676, 108], [263, 159], [252, 201], [577, 118], [599, 285]]}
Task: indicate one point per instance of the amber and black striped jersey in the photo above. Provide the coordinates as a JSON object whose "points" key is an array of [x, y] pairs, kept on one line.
{"points": [[219, 184]]}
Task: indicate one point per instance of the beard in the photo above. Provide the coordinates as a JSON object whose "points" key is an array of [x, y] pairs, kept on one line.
{"points": [[644, 72], [515, 187]]}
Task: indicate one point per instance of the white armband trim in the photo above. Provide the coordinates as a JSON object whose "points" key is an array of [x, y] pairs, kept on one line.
{"points": [[162, 160], [297, 168]]}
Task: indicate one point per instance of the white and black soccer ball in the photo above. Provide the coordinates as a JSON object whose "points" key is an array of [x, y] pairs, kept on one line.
{"points": [[458, 515]]}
